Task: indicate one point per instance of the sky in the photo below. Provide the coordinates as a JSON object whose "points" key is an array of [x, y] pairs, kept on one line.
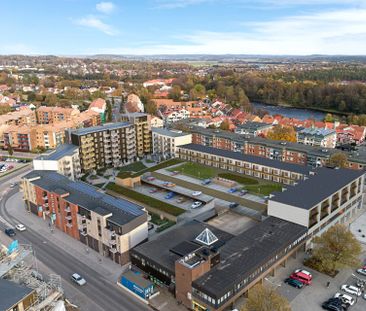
{"points": [[146, 27]]}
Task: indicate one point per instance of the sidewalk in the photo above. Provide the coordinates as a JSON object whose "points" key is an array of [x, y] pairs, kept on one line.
{"points": [[71, 246]]}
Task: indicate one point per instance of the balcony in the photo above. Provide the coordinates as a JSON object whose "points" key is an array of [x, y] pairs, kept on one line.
{"points": [[112, 242], [83, 232], [68, 216], [69, 224], [113, 250], [67, 209]]}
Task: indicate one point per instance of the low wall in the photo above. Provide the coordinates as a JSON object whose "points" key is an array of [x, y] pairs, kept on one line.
{"points": [[128, 181]]}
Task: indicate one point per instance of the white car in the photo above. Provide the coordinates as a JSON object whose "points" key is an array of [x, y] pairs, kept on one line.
{"points": [[20, 227], [196, 204], [347, 299], [196, 193], [353, 290], [78, 279], [361, 271], [303, 271]]}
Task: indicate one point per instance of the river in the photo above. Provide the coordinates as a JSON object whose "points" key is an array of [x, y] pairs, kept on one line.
{"points": [[290, 112]]}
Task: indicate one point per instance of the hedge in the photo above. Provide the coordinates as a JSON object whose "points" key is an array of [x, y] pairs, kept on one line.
{"points": [[239, 179], [139, 197]]}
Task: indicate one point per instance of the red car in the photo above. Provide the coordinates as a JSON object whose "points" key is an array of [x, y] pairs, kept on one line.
{"points": [[302, 277]]}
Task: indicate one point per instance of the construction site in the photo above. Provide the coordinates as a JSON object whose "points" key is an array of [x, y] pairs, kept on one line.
{"points": [[23, 287]]}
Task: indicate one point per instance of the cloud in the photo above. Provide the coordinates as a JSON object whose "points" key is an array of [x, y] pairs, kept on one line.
{"points": [[329, 32], [97, 23], [18, 48], [105, 7]]}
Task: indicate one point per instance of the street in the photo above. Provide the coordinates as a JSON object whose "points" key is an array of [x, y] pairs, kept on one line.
{"points": [[100, 293]]}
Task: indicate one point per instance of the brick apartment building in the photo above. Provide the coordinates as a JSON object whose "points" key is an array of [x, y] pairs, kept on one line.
{"points": [[52, 115], [108, 225], [142, 124], [111, 145], [278, 150]]}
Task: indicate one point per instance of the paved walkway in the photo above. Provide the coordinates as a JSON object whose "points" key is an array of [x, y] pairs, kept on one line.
{"points": [[74, 248]]}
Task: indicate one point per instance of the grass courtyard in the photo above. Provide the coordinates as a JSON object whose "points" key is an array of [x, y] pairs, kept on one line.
{"points": [[195, 170]]}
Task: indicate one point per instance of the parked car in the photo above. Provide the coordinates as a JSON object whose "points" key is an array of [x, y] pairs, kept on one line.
{"points": [[350, 289], [303, 271], [20, 227], [169, 195], [233, 190], [10, 232], [294, 283], [196, 193], [196, 204], [206, 181], [181, 199], [361, 271], [153, 190], [333, 304], [78, 279], [243, 192], [347, 299], [150, 178], [150, 226], [174, 173], [13, 185], [302, 277], [233, 204]]}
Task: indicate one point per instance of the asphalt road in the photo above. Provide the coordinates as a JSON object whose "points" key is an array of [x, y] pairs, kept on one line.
{"points": [[100, 293]]}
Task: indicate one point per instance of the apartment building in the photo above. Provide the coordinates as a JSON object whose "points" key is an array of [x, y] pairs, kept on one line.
{"points": [[209, 268], [108, 225], [317, 137], [52, 115], [89, 118], [142, 124], [111, 145], [253, 129], [99, 105], [328, 196], [165, 142], [278, 150], [24, 116], [64, 160], [285, 173]]}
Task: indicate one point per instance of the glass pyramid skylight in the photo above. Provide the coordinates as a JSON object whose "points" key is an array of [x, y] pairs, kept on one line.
{"points": [[206, 237]]}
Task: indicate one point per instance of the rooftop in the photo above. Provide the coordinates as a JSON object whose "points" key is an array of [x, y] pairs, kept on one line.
{"points": [[11, 294], [87, 196], [317, 132], [106, 127], [254, 126], [167, 132], [175, 244], [60, 152], [327, 180], [301, 169], [246, 252]]}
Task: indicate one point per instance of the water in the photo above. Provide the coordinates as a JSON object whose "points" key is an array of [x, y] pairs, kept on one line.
{"points": [[298, 113]]}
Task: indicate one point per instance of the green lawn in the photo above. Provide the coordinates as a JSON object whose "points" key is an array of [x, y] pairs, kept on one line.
{"points": [[195, 170], [149, 201], [133, 167], [263, 189], [241, 179]]}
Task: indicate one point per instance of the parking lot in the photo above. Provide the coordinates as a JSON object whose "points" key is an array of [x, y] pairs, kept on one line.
{"points": [[311, 297], [8, 166]]}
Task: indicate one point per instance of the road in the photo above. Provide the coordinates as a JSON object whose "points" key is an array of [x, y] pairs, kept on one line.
{"points": [[99, 293]]}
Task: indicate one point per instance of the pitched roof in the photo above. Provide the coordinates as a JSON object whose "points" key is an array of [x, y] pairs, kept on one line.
{"points": [[11, 294]]}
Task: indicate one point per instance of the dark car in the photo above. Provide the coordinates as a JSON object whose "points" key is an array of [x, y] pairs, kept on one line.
{"points": [[294, 283], [233, 204], [334, 304], [10, 232]]}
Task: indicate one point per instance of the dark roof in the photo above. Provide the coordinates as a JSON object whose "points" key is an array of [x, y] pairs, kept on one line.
{"points": [[301, 169], [317, 187], [245, 253], [137, 279], [61, 151], [87, 196], [160, 249], [110, 126], [11, 294], [254, 125]]}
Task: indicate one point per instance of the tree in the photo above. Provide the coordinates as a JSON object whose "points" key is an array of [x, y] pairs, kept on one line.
{"points": [[329, 118], [108, 111], [225, 125], [279, 132], [175, 92], [10, 150], [4, 109], [338, 159], [265, 298], [336, 249], [51, 99], [150, 107]]}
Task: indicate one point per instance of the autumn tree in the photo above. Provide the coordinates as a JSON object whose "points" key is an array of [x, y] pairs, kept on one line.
{"points": [[338, 159], [225, 125], [4, 109], [199, 91], [175, 92], [279, 132], [336, 249], [10, 150], [265, 298], [109, 111], [51, 99], [150, 107]]}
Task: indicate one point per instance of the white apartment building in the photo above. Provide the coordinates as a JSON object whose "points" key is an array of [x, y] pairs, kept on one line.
{"points": [[64, 160], [317, 137], [328, 196], [165, 142]]}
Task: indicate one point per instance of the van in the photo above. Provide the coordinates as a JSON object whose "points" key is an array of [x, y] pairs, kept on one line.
{"points": [[302, 277]]}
